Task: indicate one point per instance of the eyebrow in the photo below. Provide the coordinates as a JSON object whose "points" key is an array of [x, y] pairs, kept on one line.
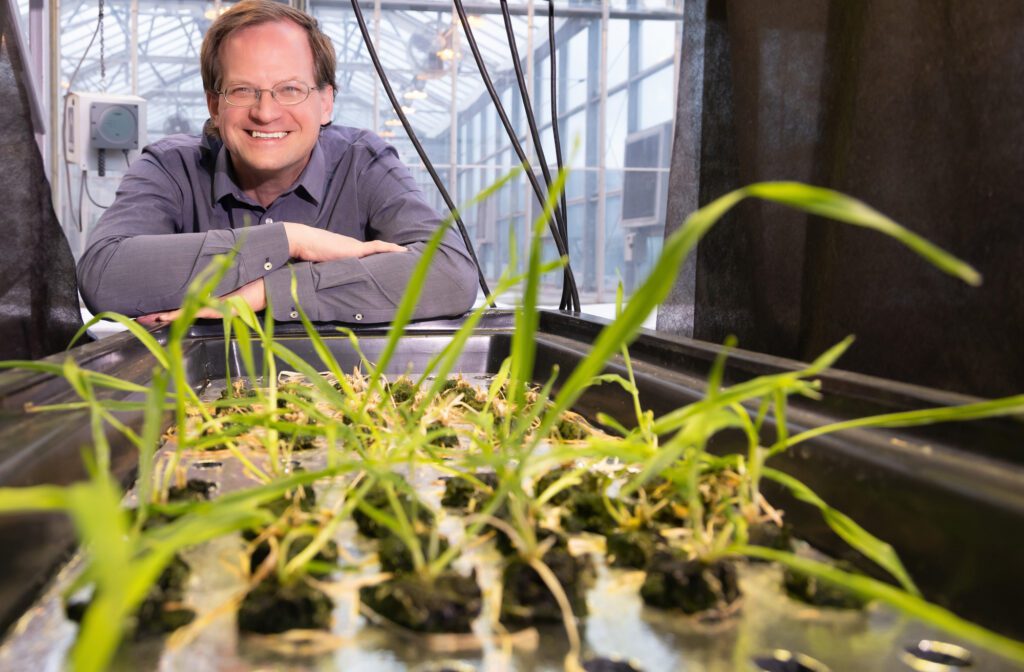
{"points": [[243, 82]]}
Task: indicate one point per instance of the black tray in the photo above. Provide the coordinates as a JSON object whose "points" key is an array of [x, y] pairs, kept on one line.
{"points": [[950, 498]]}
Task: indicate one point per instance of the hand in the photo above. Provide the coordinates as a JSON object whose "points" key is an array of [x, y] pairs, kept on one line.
{"points": [[254, 293], [309, 243]]}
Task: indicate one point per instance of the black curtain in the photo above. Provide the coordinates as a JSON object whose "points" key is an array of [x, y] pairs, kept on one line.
{"points": [[38, 292], [915, 107]]}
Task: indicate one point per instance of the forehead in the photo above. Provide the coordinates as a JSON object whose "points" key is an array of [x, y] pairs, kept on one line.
{"points": [[275, 51]]}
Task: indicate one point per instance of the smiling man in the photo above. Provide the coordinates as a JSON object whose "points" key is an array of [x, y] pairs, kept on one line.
{"points": [[332, 205]]}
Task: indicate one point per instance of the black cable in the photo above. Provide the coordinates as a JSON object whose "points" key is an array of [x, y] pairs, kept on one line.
{"points": [[103, 60], [64, 133], [559, 212], [419, 148], [81, 193], [554, 113], [556, 234], [85, 183]]}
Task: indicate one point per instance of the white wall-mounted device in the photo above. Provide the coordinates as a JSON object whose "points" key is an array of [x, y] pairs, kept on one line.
{"points": [[114, 123]]}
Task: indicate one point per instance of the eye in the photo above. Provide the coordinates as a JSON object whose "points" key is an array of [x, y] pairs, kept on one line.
{"points": [[291, 90], [241, 92]]}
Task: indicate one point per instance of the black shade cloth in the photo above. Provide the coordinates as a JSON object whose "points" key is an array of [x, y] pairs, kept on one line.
{"points": [[915, 107], [38, 293]]}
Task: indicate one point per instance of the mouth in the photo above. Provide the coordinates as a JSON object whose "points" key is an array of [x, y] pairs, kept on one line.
{"points": [[262, 135]]}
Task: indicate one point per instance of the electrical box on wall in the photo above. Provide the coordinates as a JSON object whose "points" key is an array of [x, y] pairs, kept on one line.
{"points": [[115, 124]]}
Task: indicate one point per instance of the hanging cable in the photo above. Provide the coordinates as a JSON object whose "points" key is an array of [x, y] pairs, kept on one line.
{"points": [[554, 107], [419, 148], [556, 233], [103, 60], [85, 184], [79, 224], [531, 120]]}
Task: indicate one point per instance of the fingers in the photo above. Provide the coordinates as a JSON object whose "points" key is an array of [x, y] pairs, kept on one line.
{"points": [[312, 244], [253, 293], [158, 318], [171, 315], [377, 247]]}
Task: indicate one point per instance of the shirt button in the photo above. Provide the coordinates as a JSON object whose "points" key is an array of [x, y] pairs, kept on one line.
{"points": [[359, 316], [269, 220], [267, 266], [294, 315]]}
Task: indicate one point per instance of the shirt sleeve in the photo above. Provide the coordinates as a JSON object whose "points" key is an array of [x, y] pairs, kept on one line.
{"points": [[132, 266], [369, 289]]}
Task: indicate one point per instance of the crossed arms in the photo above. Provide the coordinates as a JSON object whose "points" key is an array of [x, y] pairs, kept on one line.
{"points": [[351, 255]]}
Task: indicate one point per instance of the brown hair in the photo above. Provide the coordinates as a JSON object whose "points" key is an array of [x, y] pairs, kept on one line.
{"points": [[254, 12]]}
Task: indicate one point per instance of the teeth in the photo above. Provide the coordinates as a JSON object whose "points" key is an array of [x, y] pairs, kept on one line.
{"points": [[258, 134]]}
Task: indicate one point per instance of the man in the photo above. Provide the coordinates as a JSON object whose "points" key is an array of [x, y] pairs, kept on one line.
{"points": [[332, 205]]}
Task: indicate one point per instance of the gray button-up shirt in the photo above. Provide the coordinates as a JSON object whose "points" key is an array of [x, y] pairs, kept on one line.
{"points": [[354, 185]]}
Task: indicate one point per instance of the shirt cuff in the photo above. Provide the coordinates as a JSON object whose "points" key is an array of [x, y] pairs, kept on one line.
{"points": [[278, 286], [263, 249]]}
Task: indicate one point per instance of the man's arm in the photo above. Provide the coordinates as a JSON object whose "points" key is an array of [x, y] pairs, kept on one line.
{"points": [[369, 289], [305, 242], [140, 261]]}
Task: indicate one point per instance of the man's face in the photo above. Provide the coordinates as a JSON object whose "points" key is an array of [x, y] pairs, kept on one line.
{"points": [[269, 141]]}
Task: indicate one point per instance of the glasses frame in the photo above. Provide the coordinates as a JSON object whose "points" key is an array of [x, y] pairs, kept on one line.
{"points": [[273, 94]]}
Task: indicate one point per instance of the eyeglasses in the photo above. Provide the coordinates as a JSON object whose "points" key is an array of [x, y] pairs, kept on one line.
{"points": [[286, 93]]}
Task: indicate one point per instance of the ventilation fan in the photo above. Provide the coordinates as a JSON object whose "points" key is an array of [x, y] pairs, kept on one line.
{"points": [[177, 123], [422, 50]]}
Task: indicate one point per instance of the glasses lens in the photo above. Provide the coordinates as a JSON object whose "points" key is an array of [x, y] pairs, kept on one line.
{"points": [[243, 96], [291, 93]]}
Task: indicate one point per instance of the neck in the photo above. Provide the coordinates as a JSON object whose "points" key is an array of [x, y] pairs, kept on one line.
{"points": [[264, 188]]}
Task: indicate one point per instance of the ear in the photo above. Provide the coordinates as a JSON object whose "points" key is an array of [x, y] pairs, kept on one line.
{"points": [[326, 105], [213, 105]]}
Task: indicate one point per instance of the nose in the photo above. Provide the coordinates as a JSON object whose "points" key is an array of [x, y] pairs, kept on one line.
{"points": [[266, 108]]}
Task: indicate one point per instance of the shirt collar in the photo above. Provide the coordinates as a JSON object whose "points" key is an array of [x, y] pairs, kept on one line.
{"points": [[312, 180]]}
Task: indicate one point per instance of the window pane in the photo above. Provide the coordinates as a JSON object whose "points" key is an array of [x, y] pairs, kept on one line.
{"points": [[542, 89], [657, 43], [657, 95], [616, 121], [575, 132], [578, 66], [618, 51], [614, 253]]}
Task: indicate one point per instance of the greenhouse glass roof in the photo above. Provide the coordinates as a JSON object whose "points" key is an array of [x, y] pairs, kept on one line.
{"points": [[419, 45]]}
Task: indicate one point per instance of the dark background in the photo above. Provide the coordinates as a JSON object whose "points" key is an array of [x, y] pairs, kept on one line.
{"points": [[915, 107], [39, 311]]}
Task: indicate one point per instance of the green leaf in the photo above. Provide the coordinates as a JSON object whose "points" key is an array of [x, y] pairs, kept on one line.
{"points": [[527, 318], [404, 312], [1008, 406], [34, 498], [152, 429], [139, 331], [856, 536], [755, 388], [905, 602], [842, 208]]}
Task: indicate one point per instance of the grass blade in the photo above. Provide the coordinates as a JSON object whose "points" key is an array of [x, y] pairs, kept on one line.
{"points": [[901, 600], [856, 536]]}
